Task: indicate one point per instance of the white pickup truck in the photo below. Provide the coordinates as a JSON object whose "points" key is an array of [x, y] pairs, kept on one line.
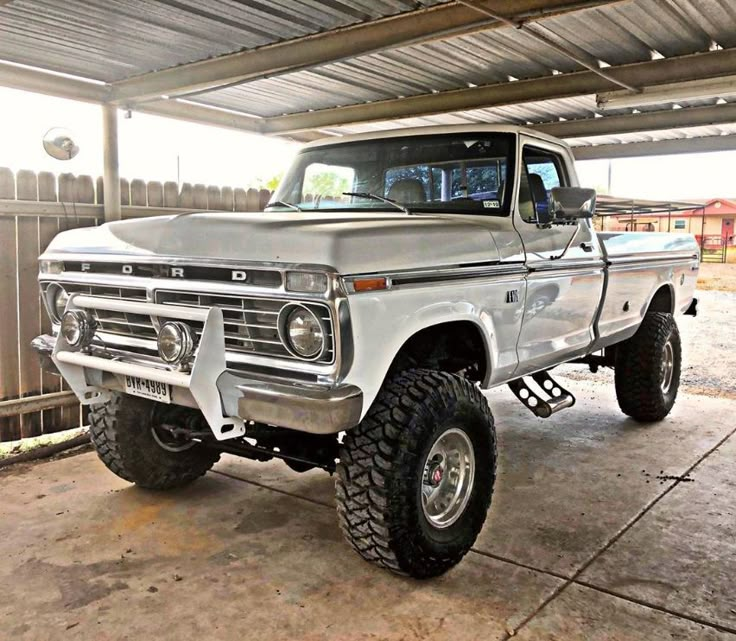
{"points": [[354, 324]]}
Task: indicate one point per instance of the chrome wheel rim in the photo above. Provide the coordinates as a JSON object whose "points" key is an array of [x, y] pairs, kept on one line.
{"points": [[447, 478], [668, 367]]}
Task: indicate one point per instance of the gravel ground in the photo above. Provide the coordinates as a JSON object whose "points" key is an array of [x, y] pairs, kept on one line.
{"points": [[709, 353]]}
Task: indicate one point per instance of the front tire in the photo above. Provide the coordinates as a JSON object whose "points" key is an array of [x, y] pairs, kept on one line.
{"points": [[647, 369], [125, 435], [415, 478]]}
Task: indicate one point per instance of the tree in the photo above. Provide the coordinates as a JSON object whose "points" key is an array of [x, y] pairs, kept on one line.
{"points": [[326, 183]]}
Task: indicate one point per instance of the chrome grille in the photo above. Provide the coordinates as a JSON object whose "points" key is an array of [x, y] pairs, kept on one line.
{"points": [[251, 324], [118, 323]]}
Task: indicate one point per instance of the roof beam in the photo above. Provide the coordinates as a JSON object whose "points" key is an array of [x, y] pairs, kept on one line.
{"points": [[641, 74], [51, 84], [63, 86], [441, 21], [656, 148], [633, 123], [203, 115]]}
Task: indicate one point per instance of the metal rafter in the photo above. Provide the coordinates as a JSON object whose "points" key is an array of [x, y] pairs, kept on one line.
{"points": [[641, 74], [437, 22], [633, 123], [540, 34], [656, 148]]}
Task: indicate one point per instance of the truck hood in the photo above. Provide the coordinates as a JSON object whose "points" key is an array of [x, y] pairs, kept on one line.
{"points": [[350, 244]]}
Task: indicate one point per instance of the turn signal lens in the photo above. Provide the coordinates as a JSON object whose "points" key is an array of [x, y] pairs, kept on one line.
{"points": [[369, 284], [51, 266]]}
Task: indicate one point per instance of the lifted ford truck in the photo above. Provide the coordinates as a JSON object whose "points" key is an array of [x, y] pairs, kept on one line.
{"points": [[354, 329]]}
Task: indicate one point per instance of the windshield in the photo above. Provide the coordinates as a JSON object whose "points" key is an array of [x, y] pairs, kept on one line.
{"points": [[459, 173]]}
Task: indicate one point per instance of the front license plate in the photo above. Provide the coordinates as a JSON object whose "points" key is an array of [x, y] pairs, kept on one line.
{"points": [[148, 389]]}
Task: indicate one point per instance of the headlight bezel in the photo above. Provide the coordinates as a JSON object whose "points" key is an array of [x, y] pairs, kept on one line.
{"points": [[51, 295], [285, 333]]}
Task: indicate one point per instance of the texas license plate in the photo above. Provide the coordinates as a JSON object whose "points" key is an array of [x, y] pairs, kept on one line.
{"points": [[148, 389]]}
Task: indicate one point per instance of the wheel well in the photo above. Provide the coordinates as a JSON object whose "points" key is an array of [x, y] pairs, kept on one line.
{"points": [[456, 347], [662, 301]]}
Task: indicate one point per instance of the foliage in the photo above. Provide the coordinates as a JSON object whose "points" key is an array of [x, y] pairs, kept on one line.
{"points": [[328, 183]]}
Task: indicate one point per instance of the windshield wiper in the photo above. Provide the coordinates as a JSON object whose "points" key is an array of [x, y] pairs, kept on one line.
{"points": [[365, 194], [283, 203]]}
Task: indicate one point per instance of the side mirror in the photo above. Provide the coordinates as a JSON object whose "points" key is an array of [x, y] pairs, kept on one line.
{"points": [[571, 203]]}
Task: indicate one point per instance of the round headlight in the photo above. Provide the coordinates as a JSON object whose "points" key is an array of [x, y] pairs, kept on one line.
{"points": [[176, 342], [77, 328], [304, 334], [58, 298]]}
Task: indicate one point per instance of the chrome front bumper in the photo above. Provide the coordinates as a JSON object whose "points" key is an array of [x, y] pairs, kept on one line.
{"points": [[308, 408], [226, 399]]}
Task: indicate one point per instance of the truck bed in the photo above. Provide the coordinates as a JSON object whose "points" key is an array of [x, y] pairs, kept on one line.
{"points": [[641, 265]]}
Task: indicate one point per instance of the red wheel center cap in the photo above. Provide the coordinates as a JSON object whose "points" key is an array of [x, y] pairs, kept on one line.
{"points": [[437, 475]]}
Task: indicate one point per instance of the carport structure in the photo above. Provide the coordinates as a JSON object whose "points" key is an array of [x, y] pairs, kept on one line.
{"points": [[613, 77], [596, 531]]}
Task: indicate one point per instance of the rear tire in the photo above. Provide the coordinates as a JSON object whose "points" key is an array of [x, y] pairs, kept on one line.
{"points": [[425, 431], [122, 432], [647, 371]]}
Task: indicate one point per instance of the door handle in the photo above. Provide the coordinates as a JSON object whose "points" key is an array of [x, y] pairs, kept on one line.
{"points": [[586, 247]]}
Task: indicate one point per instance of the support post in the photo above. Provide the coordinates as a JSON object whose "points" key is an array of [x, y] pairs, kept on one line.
{"points": [[111, 180]]}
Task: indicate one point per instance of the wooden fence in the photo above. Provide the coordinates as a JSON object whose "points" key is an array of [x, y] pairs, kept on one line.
{"points": [[33, 209]]}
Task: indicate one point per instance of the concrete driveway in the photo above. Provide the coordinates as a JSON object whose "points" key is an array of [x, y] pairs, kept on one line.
{"points": [[600, 529]]}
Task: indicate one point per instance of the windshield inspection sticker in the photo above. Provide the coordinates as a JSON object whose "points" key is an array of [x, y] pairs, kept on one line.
{"points": [[491, 204]]}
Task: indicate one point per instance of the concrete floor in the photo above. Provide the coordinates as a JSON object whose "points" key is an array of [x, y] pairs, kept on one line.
{"points": [[583, 541]]}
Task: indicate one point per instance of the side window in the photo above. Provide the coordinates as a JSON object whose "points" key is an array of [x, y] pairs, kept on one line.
{"points": [[542, 172]]}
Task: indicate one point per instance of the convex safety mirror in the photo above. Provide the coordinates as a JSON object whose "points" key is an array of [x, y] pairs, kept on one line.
{"points": [[59, 143], [568, 204]]}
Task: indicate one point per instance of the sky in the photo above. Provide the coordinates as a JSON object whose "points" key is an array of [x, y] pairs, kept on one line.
{"points": [[149, 147]]}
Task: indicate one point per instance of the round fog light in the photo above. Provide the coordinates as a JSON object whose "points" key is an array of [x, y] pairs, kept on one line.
{"points": [[77, 328], [176, 342]]}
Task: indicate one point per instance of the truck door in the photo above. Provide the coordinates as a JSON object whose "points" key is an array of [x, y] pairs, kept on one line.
{"points": [[563, 292]]}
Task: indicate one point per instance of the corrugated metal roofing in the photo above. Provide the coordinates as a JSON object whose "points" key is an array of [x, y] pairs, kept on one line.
{"points": [[617, 34], [109, 41]]}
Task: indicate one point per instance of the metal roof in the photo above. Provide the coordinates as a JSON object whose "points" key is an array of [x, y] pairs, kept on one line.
{"points": [[111, 40], [116, 41], [618, 34]]}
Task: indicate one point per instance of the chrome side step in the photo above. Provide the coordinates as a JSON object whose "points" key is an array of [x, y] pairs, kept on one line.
{"points": [[558, 398]]}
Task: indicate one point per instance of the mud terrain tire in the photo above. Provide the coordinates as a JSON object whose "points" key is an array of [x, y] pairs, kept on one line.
{"points": [[648, 369], [122, 434], [382, 470]]}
